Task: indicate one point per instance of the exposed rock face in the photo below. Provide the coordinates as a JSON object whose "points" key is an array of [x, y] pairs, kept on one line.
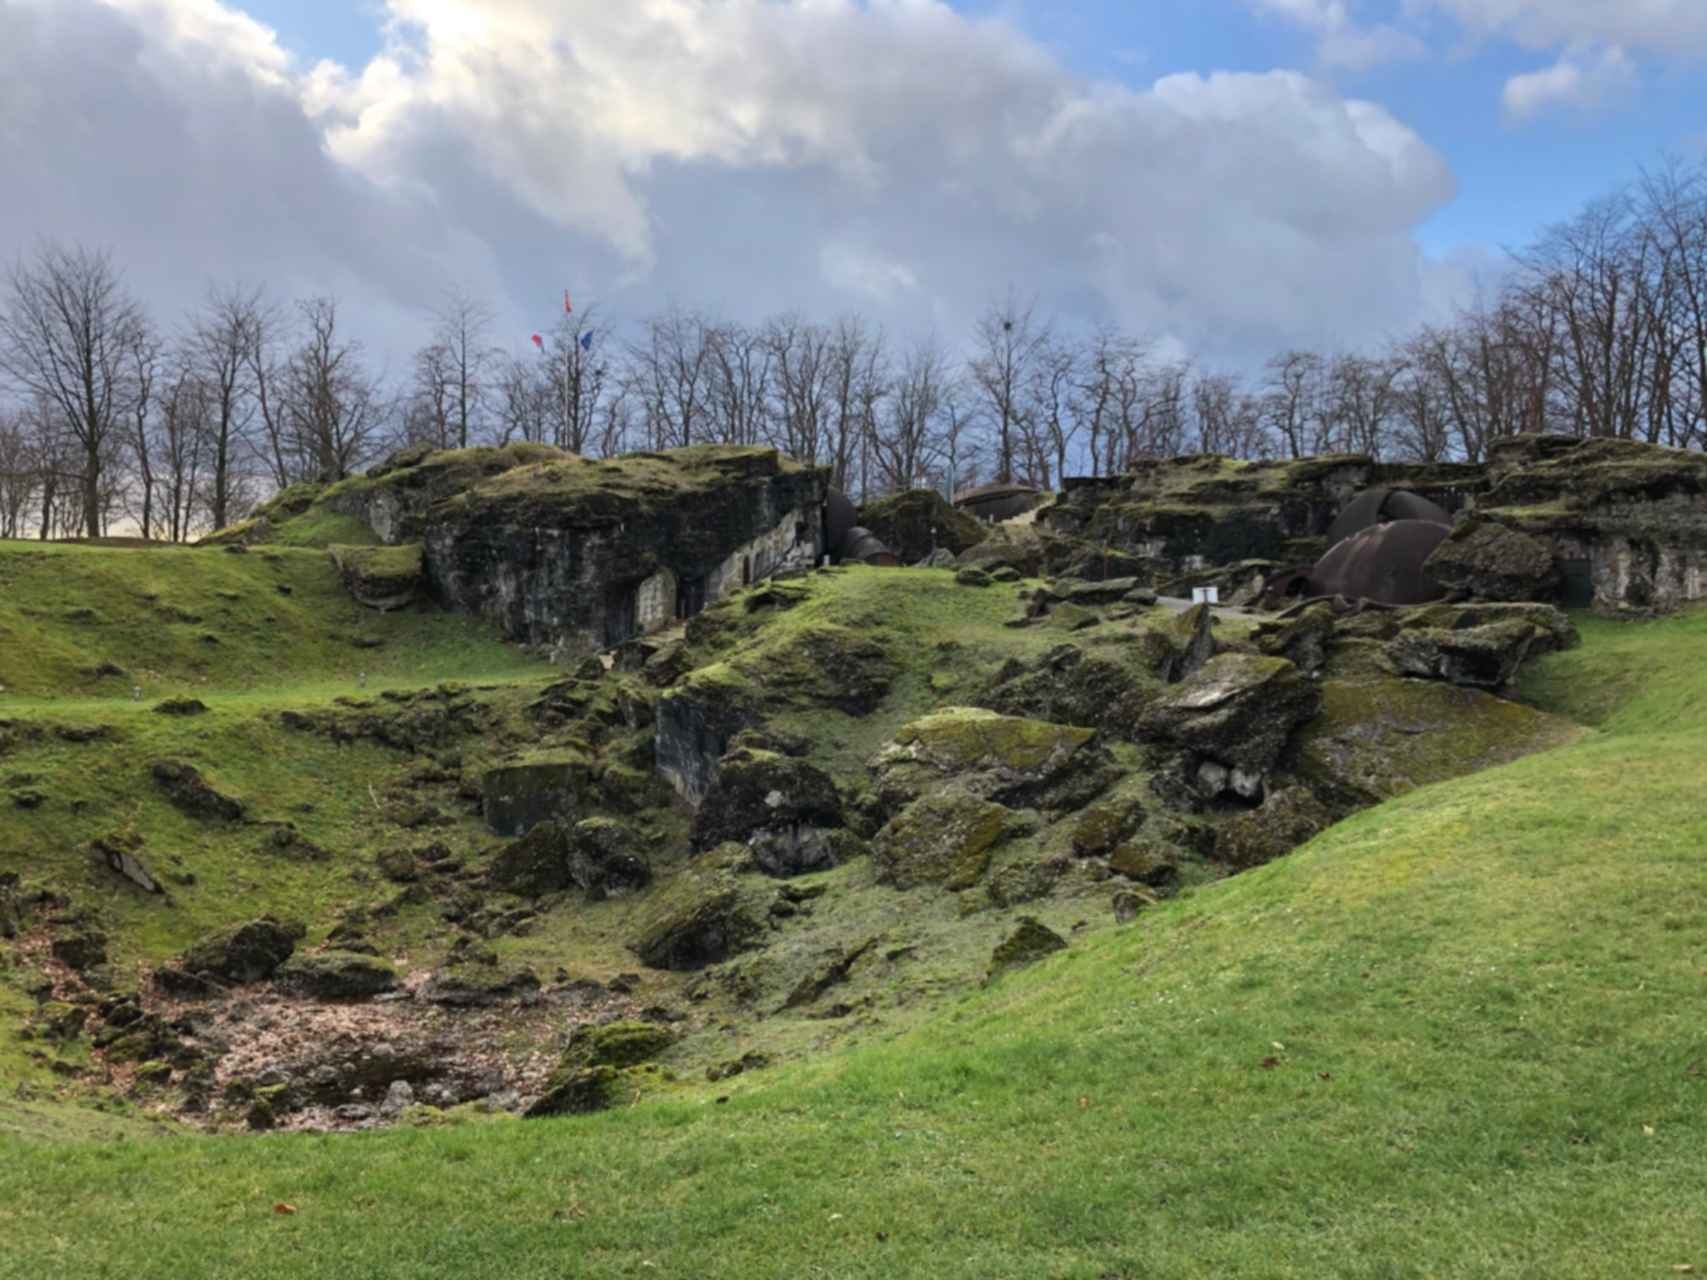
{"points": [[1491, 561], [1485, 657], [919, 522], [703, 916], [1285, 820], [1003, 758], [818, 665], [514, 798], [946, 838], [189, 791], [1184, 515], [781, 807], [1030, 941], [1381, 737], [1238, 711], [1068, 685], [584, 555], [250, 952], [695, 726], [605, 858], [336, 975], [382, 578], [1627, 522]]}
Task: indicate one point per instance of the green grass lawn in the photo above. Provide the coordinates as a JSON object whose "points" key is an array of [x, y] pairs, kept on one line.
{"points": [[1457, 1035], [81, 623]]}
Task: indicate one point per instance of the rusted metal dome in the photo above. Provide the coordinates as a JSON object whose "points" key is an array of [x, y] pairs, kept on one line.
{"points": [[862, 546], [1378, 506], [1384, 563]]}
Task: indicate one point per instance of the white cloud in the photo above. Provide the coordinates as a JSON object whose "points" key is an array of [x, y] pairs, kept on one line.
{"points": [[749, 156], [1577, 81], [1670, 27], [1343, 42]]}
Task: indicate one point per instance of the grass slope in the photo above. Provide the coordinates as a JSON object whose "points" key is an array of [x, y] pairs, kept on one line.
{"points": [[182, 620], [1454, 1036]]}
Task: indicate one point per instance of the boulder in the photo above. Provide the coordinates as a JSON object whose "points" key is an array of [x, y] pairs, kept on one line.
{"points": [[759, 791], [695, 725], [1485, 657], [336, 975], [604, 858], [941, 558], [973, 577], [516, 797], [11, 908], [382, 578], [83, 949], [479, 982], [181, 707], [1239, 710], [1106, 591], [1305, 639], [1008, 759], [1489, 561], [1379, 738], [945, 838], [1103, 688], [1177, 646], [576, 1091], [1106, 825], [249, 952], [617, 1044], [704, 915], [1147, 860], [1021, 547], [1030, 942], [1285, 820], [919, 523], [535, 865], [190, 793]]}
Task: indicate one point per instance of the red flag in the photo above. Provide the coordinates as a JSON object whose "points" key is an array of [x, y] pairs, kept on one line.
{"points": [[539, 342], [566, 307]]}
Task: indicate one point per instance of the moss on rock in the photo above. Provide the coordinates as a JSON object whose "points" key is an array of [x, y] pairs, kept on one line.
{"points": [[704, 915], [946, 839], [919, 521]]}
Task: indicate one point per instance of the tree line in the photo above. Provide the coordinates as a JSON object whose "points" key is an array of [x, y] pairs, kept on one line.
{"points": [[111, 418]]}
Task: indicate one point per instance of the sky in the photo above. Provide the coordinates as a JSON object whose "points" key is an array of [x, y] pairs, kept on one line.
{"points": [[1226, 178]]}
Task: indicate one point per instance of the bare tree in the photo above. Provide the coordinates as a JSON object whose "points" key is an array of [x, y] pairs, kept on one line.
{"points": [[1007, 344], [335, 410], [1290, 398], [906, 443], [468, 357], [145, 358], [18, 474], [670, 374], [226, 353], [66, 334], [800, 386]]}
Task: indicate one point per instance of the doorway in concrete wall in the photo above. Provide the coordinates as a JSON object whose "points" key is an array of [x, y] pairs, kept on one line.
{"points": [[690, 596], [622, 614]]}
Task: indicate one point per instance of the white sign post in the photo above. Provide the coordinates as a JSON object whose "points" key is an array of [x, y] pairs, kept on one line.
{"points": [[1206, 595]]}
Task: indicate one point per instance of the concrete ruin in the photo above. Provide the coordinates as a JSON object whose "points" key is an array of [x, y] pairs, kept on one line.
{"points": [[1615, 525]]}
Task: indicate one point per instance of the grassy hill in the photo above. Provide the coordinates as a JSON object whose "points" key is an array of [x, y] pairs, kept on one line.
{"points": [[1456, 1035]]}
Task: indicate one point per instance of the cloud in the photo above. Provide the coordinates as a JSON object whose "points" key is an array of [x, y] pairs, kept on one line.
{"points": [[1577, 81], [1342, 42], [1668, 27], [890, 156]]}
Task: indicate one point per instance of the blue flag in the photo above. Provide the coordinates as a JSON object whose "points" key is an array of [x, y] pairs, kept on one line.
{"points": [[587, 340]]}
